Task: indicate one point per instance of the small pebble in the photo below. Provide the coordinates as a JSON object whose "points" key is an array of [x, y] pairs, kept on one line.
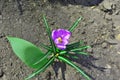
{"points": [[113, 6], [90, 50], [107, 5], [44, 1], [2, 35], [45, 34], [118, 52], [118, 37], [104, 45], [108, 66], [93, 7]]}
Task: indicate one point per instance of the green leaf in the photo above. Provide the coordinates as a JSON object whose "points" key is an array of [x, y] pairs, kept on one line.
{"points": [[63, 52], [45, 46], [27, 52], [75, 57], [42, 68], [74, 66], [74, 45], [83, 53], [80, 49], [44, 57], [49, 34], [75, 24]]}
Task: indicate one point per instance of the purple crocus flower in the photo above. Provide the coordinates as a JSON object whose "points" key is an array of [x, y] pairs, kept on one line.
{"points": [[61, 37]]}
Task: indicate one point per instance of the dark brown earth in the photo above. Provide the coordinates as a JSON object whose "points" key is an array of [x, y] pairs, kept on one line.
{"points": [[100, 28]]}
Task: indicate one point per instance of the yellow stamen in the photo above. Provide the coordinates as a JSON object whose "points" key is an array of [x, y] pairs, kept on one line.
{"points": [[59, 39], [57, 55]]}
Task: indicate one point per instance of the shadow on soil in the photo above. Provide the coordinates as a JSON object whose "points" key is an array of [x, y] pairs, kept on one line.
{"points": [[85, 61], [57, 66], [19, 5], [65, 2], [77, 2]]}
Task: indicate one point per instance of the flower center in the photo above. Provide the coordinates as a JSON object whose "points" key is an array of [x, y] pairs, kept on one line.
{"points": [[57, 55], [59, 39]]}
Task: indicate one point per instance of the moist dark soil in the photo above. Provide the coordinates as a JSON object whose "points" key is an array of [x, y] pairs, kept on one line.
{"points": [[99, 28]]}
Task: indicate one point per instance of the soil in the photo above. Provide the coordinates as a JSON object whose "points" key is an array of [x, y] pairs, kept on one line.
{"points": [[99, 28]]}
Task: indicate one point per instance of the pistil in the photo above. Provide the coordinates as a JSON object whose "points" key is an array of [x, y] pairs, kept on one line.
{"points": [[59, 39]]}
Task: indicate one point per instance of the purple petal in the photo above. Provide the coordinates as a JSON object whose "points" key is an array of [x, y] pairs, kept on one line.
{"points": [[56, 41], [65, 42], [67, 35], [64, 35], [61, 47], [61, 32], [54, 34]]}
